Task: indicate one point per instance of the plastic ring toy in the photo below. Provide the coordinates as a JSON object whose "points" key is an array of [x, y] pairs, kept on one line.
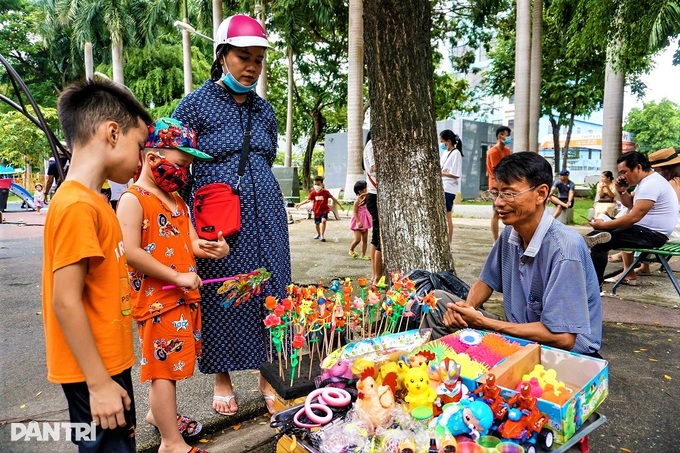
{"points": [[328, 396]]}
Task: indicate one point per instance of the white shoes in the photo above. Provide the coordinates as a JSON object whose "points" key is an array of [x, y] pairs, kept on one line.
{"points": [[598, 238]]}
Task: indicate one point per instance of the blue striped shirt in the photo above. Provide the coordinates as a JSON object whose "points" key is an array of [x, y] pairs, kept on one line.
{"points": [[553, 281]]}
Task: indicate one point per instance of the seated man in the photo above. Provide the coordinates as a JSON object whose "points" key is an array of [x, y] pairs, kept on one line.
{"points": [[542, 267], [565, 193], [653, 212]]}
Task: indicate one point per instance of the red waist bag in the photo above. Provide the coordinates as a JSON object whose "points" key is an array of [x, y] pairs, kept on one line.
{"points": [[216, 208]]}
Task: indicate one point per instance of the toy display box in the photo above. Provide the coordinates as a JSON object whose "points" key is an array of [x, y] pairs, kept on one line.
{"points": [[586, 377]]}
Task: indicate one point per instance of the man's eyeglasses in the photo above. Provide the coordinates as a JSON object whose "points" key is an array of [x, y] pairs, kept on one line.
{"points": [[508, 197]]}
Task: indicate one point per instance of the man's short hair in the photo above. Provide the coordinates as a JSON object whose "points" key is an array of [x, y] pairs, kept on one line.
{"points": [[529, 166], [318, 178], [633, 159], [502, 129], [83, 106]]}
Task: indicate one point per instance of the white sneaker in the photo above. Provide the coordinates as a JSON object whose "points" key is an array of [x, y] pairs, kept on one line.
{"points": [[598, 238]]}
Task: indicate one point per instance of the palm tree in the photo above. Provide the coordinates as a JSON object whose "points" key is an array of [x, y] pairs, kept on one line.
{"points": [[522, 74], [116, 17], [355, 91], [666, 25], [536, 64]]}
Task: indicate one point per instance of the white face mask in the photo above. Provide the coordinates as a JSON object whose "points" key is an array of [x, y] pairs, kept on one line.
{"points": [[317, 188]]}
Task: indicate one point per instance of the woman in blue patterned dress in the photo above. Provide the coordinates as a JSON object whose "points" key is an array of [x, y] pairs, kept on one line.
{"points": [[233, 339]]}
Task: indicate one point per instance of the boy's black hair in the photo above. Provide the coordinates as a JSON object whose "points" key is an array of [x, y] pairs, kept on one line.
{"points": [[529, 166], [83, 106], [502, 129], [359, 186], [318, 178], [633, 159]]}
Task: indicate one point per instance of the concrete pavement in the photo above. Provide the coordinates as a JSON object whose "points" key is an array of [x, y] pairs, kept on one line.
{"points": [[640, 341]]}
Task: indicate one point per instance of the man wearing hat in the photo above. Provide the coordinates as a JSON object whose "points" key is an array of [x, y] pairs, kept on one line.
{"points": [[652, 215], [565, 193]]}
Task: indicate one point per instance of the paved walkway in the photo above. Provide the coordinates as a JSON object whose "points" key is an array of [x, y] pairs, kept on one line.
{"points": [[645, 317]]}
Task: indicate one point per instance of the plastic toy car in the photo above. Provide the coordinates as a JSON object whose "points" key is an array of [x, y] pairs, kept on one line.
{"points": [[525, 423]]}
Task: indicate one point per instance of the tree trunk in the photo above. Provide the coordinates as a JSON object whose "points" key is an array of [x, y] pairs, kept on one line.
{"points": [[288, 155], [186, 53], [218, 16], [318, 126], [536, 61], [89, 61], [355, 97], [262, 81], [410, 200], [117, 62], [614, 84], [565, 153], [556, 141], [522, 76]]}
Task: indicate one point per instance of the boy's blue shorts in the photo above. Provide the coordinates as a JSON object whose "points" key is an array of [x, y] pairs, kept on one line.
{"points": [[317, 220]]}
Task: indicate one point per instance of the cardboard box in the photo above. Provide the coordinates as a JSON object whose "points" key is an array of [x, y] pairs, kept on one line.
{"points": [[589, 377]]}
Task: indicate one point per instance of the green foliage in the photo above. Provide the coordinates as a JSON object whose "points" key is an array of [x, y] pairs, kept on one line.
{"points": [[452, 94], [21, 141], [655, 125]]}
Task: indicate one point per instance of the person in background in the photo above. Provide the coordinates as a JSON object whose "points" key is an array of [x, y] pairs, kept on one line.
{"points": [[361, 221], [493, 157], [605, 196], [319, 197], [219, 112], [86, 294], [565, 193], [550, 290], [451, 163], [649, 223], [116, 191], [162, 246], [38, 197], [53, 181], [372, 206], [666, 162]]}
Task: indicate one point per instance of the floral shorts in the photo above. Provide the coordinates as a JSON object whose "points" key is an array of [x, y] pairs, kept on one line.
{"points": [[170, 343]]}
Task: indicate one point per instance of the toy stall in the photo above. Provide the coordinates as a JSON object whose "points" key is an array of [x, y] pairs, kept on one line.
{"points": [[353, 371]]}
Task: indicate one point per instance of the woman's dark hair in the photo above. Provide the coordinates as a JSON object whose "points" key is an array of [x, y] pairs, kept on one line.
{"points": [[359, 186], [368, 137], [609, 175], [669, 172], [449, 136], [633, 159], [529, 166], [216, 68]]}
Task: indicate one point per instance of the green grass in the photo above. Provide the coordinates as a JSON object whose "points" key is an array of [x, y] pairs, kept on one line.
{"points": [[581, 207]]}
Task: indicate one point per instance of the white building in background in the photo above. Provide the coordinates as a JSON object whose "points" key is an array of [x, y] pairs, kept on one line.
{"points": [[585, 145]]}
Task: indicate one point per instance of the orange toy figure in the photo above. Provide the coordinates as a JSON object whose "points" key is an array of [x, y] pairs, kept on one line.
{"points": [[490, 393], [417, 383], [526, 403], [375, 403]]}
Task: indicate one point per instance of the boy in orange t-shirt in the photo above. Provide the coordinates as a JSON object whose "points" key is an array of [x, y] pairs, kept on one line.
{"points": [[88, 322], [161, 245]]}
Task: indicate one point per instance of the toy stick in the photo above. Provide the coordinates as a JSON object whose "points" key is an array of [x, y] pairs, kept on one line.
{"points": [[205, 282]]}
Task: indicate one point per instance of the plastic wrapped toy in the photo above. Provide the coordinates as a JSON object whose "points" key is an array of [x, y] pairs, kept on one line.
{"points": [[375, 403]]}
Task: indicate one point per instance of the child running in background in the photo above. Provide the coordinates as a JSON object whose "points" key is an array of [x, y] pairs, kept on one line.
{"points": [[38, 197], [319, 196], [161, 245], [87, 316], [361, 221]]}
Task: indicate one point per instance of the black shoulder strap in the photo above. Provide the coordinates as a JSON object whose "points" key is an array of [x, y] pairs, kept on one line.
{"points": [[246, 145]]}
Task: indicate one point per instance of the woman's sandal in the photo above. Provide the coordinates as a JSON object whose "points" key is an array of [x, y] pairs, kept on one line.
{"points": [[197, 450], [227, 400], [269, 398], [353, 254]]}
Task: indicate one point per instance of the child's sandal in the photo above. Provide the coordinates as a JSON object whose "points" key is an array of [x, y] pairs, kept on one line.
{"points": [[353, 254]]}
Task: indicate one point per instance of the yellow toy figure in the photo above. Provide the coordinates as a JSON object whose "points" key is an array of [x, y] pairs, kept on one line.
{"points": [[417, 383]]}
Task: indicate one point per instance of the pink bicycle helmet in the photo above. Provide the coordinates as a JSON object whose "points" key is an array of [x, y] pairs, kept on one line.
{"points": [[241, 31]]}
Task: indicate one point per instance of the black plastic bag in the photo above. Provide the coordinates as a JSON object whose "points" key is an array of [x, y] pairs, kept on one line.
{"points": [[448, 281]]}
